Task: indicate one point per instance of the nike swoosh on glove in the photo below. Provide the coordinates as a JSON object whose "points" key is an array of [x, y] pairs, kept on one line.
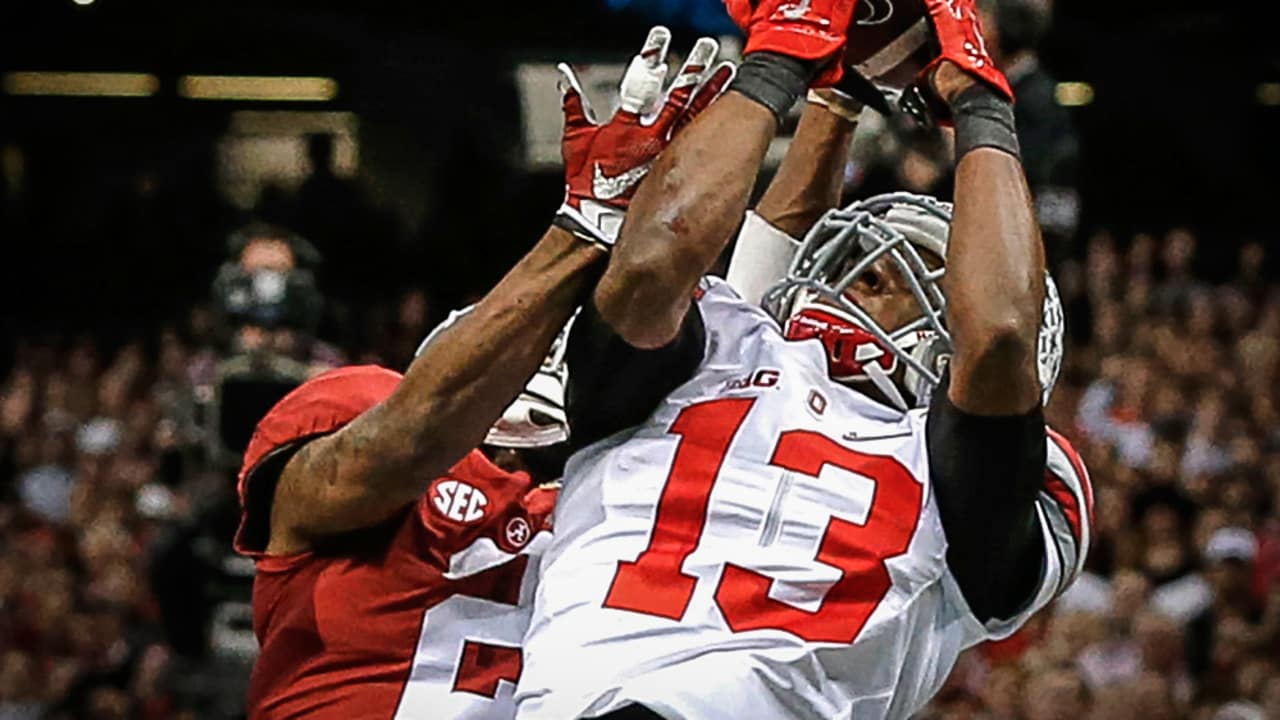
{"points": [[605, 162]]}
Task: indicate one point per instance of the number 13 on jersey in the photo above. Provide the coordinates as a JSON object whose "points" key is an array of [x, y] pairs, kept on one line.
{"points": [[655, 583]]}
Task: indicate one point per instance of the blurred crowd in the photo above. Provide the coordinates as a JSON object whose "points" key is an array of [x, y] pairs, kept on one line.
{"points": [[103, 463], [1170, 393]]}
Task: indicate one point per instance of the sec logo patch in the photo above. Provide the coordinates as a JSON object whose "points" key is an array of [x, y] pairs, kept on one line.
{"points": [[458, 501]]}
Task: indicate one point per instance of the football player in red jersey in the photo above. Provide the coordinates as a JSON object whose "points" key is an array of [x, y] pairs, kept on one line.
{"points": [[808, 510], [391, 554]]}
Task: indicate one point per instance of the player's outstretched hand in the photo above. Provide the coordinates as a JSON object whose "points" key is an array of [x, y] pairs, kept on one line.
{"points": [[808, 30], [604, 162]]}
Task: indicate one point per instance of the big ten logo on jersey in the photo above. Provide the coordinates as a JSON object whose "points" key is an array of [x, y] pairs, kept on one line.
{"points": [[458, 501], [762, 378]]}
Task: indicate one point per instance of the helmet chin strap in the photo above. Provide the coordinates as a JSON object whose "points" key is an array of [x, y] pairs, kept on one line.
{"points": [[886, 385]]}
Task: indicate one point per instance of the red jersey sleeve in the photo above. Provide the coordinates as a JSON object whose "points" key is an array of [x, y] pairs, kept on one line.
{"points": [[478, 515]]}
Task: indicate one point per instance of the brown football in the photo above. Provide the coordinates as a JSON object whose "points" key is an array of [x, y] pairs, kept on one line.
{"points": [[890, 41]]}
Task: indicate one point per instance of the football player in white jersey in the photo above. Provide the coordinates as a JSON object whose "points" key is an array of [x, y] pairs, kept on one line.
{"points": [[808, 510]]}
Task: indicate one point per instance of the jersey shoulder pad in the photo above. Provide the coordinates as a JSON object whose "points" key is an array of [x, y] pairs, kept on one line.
{"points": [[712, 288], [321, 405], [1064, 512], [726, 314]]}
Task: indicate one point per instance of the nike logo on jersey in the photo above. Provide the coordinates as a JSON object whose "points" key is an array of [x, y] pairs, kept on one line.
{"points": [[605, 187]]}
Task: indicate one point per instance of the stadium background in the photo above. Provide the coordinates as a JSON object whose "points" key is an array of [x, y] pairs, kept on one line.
{"points": [[124, 371]]}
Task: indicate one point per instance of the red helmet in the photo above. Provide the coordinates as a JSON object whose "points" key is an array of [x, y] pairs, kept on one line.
{"points": [[322, 405]]}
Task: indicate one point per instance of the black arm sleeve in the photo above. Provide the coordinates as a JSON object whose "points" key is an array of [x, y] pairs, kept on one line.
{"points": [[614, 385], [987, 473]]}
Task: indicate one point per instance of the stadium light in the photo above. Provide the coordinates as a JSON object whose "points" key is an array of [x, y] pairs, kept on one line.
{"points": [[1073, 94], [1268, 94], [247, 87], [83, 84]]}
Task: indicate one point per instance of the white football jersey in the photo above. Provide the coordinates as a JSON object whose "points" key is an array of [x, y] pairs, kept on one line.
{"points": [[765, 545]]}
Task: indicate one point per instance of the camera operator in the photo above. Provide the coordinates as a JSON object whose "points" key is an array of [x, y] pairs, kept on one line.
{"points": [[269, 306]]}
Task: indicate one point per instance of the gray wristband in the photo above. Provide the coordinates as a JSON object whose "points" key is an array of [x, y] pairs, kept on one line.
{"points": [[775, 81], [984, 118]]}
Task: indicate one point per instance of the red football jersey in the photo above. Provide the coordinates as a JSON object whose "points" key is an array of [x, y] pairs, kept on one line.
{"points": [[420, 617]]}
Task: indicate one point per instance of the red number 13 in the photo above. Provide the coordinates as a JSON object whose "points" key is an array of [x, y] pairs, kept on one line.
{"points": [[655, 583]]}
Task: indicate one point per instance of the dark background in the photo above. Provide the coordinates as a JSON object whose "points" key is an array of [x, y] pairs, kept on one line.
{"points": [[122, 187]]}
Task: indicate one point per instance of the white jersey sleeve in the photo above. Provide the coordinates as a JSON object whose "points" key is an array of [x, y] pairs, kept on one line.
{"points": [[760, 258]]}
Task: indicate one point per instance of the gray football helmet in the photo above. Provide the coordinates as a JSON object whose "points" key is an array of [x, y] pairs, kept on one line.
{"points": [[537, 417], [912, 231]]}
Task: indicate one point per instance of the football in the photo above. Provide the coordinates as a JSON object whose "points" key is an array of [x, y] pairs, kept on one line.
{"points": [[890, 41]]}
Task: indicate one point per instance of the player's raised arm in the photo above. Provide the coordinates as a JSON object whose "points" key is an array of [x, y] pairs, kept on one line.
{"points": [[441, 409], [995, 257], [808, 183], [995, 289], [811, 177], [686, 210], [461, 382]]}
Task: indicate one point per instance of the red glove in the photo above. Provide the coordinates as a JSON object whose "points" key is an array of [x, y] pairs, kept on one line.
{"points": [[959, 33], [603, 164], [802, 29]]}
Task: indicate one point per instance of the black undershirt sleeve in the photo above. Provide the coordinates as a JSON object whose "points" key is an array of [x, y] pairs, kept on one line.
{"points": [[614, 385], [987, 473]]}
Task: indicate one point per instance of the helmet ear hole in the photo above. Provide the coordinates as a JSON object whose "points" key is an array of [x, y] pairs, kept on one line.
{"points": [[541, 418]]}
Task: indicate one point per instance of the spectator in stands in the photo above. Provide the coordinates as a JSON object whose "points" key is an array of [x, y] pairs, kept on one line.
{"points": [[1056, 694]]}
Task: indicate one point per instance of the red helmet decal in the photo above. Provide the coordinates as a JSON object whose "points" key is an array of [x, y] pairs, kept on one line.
{"points": [[850, 347]]}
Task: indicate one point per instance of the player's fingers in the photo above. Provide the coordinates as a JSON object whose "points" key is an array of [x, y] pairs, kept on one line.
{"points": [[577, 110], [641, 87], [700, 58], [713, 87], [656, 45], [686, 82]]}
